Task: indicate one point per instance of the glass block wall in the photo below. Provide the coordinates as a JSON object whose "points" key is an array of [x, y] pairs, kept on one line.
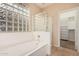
{"points": [[13, 18], [40, 22]]}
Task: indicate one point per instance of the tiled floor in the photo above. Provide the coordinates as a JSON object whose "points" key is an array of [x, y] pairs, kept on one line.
{"points": [[63, 52], [67, 44]]}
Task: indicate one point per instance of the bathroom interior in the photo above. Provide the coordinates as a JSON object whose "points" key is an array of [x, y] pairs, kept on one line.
{"points": [[39, 29]]}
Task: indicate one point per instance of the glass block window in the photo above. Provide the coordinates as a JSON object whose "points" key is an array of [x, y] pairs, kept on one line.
{"points": [[13, 18], [40, 22]]}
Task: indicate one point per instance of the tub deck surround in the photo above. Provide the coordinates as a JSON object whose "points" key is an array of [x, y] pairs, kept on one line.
{"points": [[26, 43]]}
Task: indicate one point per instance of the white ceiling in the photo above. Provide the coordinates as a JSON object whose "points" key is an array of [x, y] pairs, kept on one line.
{"points": [[42, 5]]}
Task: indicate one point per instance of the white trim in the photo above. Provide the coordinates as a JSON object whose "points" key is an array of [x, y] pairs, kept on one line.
{"points": [[59, 31]]}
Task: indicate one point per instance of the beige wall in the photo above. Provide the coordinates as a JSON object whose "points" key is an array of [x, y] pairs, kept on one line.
{"points": [[53, 11]]}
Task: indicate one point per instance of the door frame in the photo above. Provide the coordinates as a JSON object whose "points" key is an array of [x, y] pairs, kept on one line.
{"points": [[59, 14]]}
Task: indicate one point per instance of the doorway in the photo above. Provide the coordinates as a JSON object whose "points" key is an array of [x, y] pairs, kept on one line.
{"points": [[67, 30]]}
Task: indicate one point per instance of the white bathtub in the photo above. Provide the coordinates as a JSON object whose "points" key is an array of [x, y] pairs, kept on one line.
{"points": [[24, 43]]}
